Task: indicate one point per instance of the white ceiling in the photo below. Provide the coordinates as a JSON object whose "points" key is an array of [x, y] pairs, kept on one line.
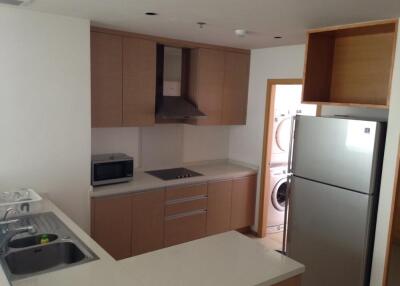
{"points": [[263, 18]]}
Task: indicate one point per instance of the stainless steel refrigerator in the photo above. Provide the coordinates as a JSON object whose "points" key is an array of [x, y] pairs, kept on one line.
{"points": [[333, 195]]}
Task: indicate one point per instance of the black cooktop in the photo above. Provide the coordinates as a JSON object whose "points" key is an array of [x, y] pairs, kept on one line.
{"points": [[173, 174]]}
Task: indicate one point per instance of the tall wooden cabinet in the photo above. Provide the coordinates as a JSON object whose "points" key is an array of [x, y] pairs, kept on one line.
{"points": [[106, 65], [207, 84], [123, 80], [236, 83], [139, 82], [219, 86]]}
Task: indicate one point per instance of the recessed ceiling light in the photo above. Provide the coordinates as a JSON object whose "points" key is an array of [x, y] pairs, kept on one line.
{"points": [[241, 32], [151, 13], [201, 24], [278, 37]]}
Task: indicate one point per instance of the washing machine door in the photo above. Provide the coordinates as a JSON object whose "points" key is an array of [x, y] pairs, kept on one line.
{"points": [[282, 134], [278, 195]]}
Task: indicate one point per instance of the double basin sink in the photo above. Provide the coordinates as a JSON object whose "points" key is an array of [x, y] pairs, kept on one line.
{"points": [[53, 247]]}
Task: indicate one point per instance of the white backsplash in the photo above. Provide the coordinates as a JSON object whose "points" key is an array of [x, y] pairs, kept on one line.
{"points": [[117, 140], [164, 145]]}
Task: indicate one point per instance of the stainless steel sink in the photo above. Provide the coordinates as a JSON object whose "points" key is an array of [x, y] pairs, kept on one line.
{"points": [[43, 257], [29, 255]]}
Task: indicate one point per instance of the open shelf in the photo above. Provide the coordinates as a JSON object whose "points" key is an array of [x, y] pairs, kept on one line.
{"points": [[350, 65]]}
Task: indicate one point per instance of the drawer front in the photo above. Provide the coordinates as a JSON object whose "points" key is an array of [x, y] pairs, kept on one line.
{"points": [[176, 193], [184, 206], [185, 227]]}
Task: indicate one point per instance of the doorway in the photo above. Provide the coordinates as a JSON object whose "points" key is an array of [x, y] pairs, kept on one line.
{"points": [[283, 102]]}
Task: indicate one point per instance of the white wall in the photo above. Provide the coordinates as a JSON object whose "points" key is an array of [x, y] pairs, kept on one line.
{"points": [[45, 107], [245, 142], [388, 174]]}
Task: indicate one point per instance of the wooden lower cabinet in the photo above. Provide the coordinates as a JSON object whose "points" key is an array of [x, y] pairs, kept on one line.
{"points": [[219, 206], [185, 227], [147, 221], [295, 281], [111, 224], [243, 202], [137, 223]]}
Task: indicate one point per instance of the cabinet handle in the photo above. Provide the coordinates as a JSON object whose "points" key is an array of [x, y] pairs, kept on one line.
{"points": [[191, 213], [184, 200]]}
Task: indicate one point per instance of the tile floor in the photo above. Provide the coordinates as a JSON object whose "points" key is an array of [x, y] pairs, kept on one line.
{"points": [[271, 241]]}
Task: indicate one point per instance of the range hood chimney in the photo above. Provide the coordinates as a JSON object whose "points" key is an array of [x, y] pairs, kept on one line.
{"points": [[172, 101]]}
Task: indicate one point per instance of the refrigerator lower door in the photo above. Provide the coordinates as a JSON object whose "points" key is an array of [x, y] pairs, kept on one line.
{"points": [[329, 231], [337, 151]]}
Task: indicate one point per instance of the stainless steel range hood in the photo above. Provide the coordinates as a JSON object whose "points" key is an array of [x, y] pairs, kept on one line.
{"points": [[172, 89], [177, 107]]}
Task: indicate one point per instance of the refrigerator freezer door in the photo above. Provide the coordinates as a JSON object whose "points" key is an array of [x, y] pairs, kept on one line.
{"points": [[339, 152], [328, 232]]}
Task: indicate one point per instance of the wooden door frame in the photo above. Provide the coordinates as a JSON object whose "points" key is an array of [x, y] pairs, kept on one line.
{"points": [[395, 197], [267, 144]]}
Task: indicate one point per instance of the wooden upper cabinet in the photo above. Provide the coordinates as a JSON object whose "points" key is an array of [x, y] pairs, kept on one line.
{"points": [[219, 206], [139, 81], [351, 64], [111, 224], [243, 202], [236, 82], [207, 83], [106, 74], [147, 221]]}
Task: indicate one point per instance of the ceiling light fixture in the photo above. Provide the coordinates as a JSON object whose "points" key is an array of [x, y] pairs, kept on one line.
{"points": [[241, 32], [151, 13], [278, 37], [201, 24]]}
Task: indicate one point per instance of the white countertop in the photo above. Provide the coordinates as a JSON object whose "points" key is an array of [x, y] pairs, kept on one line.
{"points": [[212, 170], [230, 259]]}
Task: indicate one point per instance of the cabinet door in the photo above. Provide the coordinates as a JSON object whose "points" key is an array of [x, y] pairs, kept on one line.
{"points": [[235, 88], [207, 84], [111, 224], [106, 67], [219, 207], [185, 227], [243, 202], [139, 83], [147, 221]]}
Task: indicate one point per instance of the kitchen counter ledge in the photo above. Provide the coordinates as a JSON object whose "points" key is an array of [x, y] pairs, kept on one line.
{"points": [[211, 171]]}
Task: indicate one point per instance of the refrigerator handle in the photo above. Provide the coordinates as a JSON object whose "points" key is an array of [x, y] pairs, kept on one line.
{"points": [[286, 215], [291, 142]]}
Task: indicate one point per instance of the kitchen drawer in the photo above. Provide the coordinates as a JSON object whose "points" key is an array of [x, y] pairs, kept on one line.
{"points": [[186, 205], [175, 193], [185, 227]]}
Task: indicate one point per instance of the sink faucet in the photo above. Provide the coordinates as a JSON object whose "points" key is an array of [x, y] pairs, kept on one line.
{"points": [[8, 211], [6, 234]]}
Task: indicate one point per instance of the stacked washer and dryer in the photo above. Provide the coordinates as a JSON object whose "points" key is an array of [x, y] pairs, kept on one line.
{"points": [[279, 161], [278, 170]]}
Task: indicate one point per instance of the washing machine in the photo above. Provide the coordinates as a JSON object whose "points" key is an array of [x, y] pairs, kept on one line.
{"points": [[281, 138], [277, 199]]}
